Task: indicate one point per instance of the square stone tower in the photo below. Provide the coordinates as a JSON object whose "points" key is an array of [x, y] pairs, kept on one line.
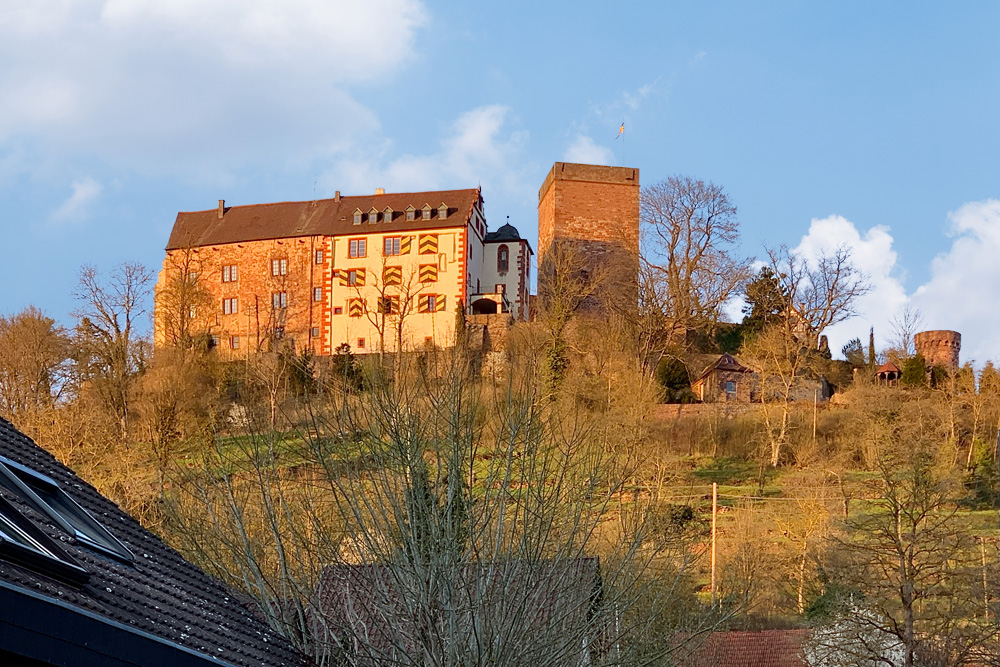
{"points": [[590, 213]]}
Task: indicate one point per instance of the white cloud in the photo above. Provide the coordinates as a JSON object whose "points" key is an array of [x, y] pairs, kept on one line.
{"points": [[962, 291], [334, 37], [483, 150], [76, 207], [872, 253], [197, 85], [585, 151], [959, 295]]}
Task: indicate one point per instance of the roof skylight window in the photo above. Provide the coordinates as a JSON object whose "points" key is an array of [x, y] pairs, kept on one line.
{"points": [[23, 543], [44, 495]]}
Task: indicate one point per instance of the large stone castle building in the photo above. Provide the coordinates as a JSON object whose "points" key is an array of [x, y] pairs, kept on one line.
{"points": [[387, 271], [378, 272]]}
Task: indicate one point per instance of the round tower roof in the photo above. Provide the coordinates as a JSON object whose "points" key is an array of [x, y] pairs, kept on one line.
{"points": [[506, 233]]}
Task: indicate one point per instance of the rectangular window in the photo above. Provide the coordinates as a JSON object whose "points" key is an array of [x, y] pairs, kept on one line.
{"points": [[192, 312], [411, 215], [213, 341], [430, 303], [193, 277], [47, 497], [361, 343], [357, 248], [338, 310], [730, 389], [279, 333], [314, 332], [230, 306], [279, 299], [500, 288], [356, 277], [391, 246], [319, 257], [317, 293], [234, 342], [279, 267], [229, 273]]}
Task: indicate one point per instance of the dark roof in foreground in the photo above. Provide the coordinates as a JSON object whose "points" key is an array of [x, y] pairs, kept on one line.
{"points": [[319, 217], [158, 609], [736, 648]]}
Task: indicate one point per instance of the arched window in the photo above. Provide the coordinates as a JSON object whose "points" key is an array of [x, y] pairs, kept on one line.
{"points": [[503, 259]]}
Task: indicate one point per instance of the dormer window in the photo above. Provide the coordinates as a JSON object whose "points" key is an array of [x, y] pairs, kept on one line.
{"points": [[443, 211], [357, 216], [387, 215], [372, 216], [411, 213], [426, 211]]}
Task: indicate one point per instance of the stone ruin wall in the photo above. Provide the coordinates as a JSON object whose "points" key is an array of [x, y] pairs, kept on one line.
{"points": [[939, 348]]}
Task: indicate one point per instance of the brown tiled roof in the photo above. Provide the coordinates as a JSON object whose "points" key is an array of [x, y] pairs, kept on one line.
{"points": [[558, 601], [764, 648], [331, 217], [888, 367], [722, 362]]}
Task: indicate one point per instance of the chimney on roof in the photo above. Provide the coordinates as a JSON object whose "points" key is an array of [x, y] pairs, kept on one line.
{"points": [[380, 191], [222, 208], [336, 195]]}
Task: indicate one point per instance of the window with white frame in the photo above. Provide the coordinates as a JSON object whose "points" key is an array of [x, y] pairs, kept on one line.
{"points": [[391, 246], [230, 306], [230, 273], [279, 300], [357, 248], [279, 267], [317, 293], [318, 259]]}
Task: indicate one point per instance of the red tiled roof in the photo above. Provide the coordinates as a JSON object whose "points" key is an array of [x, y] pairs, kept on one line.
{"points": [[764, 648], [319, 217], [888, 368]]}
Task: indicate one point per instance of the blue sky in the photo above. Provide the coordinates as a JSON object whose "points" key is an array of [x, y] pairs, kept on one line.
{"points": [[871, 124]]}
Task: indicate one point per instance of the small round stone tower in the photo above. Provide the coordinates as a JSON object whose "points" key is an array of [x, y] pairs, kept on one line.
{"points": [[939, 348]]}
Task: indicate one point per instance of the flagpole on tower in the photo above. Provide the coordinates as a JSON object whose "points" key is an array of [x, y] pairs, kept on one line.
{"points": [[621, 135]]}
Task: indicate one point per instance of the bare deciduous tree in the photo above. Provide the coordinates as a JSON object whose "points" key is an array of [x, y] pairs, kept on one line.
{"points": [[183, 304], [914, 561], [34, 356], [822, 290], [903, 326], [108, 337], [567, 283], [432, 523], [395, 299], [689, 251]]}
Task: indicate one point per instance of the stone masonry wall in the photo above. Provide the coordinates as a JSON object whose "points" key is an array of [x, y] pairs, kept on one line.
{"points": [[253, 324], [939, 348], [596, 208]]}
